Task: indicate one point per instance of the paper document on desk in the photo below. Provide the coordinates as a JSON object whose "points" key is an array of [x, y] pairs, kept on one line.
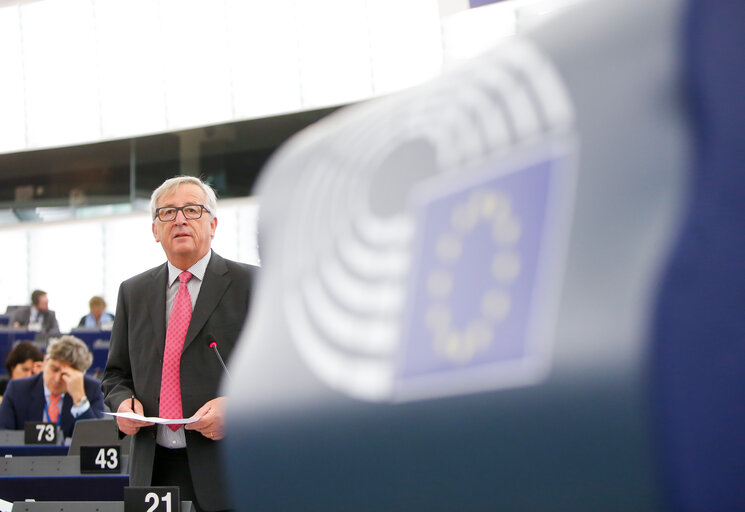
{"points": [[153, 419]]}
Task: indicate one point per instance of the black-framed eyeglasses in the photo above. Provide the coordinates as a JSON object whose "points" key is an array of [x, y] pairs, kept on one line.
{"points": [[190, 211]]}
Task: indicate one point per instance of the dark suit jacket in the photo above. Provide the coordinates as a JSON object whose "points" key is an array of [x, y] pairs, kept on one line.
{"points": [[136, 353], [24, 401], [48, 323]]}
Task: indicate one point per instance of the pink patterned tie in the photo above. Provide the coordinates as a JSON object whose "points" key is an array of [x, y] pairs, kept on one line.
{"points": [[178, 323]]}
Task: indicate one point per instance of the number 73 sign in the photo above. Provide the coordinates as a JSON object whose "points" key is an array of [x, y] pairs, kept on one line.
{"points": [[38, 432]]}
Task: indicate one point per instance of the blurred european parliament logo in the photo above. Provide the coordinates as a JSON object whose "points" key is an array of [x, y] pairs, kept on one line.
{"points": [[424, 247], [487, 262]]}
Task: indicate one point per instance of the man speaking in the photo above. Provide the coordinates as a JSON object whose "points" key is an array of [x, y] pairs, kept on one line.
{"points": [[160, 360]]}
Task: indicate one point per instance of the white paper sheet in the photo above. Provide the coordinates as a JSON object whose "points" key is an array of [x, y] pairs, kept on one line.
{"points": [[153, 419]]}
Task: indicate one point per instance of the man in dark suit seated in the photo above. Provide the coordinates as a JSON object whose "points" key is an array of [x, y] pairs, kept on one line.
{"points": [[61, 394], [37, 316]]}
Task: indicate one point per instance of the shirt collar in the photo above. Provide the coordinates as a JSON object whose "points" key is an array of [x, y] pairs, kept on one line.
{"points": [[197, 270], [46, 390]]}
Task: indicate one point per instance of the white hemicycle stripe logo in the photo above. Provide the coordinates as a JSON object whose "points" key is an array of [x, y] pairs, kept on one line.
{"points": [[350, 254]]}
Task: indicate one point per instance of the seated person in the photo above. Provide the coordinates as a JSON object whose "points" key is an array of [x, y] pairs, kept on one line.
{"points": [[37, 316], [98, 317], [61, 394], [24, 360]]}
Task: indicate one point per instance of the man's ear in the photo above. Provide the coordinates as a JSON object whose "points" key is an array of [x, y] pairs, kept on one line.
{"points": [[155, 233], [213, 226]]}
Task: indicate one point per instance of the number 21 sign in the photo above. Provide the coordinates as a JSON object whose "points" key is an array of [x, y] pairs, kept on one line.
{"points": [[151, 499]]}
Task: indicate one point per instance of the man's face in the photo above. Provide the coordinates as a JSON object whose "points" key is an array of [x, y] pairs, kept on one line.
{"points": [[185, 241], [43, 304], [53, 372]]}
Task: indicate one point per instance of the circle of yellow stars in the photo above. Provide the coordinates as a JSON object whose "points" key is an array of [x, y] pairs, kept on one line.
{"points": [[461, 345]]}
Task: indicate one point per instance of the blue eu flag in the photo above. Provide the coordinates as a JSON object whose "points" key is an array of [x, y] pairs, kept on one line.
{"points": [[478, 294]]}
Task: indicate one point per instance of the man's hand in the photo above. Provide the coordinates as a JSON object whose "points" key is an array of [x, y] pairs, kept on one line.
{"points": [[75, 383], [127, 425], [212, 419]]}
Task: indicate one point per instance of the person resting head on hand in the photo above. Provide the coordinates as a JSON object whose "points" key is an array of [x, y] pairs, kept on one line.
{"points": [[60, 394]]}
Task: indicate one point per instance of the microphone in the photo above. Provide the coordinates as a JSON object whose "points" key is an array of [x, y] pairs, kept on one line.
{"points": [[213, 345]]}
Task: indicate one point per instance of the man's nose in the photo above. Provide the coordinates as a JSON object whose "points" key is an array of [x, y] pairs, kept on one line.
{"points": [[180, 217]]}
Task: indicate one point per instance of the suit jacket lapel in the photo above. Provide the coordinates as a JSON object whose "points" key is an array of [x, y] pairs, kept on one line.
{"points": [[157, 306], [213, 287], [37, 400]]}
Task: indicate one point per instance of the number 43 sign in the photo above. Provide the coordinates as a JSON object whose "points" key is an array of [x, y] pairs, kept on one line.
{"points": [[100, 459], [151, 499]]}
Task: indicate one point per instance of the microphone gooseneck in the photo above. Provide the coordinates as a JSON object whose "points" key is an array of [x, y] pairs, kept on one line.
{"points": [[213, 345]]}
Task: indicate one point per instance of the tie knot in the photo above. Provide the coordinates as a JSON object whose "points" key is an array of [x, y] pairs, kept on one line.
{"points": [[184, 277]]}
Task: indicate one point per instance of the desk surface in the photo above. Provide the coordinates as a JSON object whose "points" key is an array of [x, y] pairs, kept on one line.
{"points": [[56, 478], [34, 450], [11, 437], [80, 506], [12, 442], [64, 488], [68, 465]]}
